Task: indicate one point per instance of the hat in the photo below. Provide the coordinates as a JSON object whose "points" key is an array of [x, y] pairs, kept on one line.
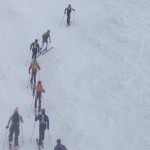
{"points": [[43, 110], [58, 141], [16, 109], [39, 82]]}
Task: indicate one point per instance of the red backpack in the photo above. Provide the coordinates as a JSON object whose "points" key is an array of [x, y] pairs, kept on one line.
{"points": [[39, 88]]}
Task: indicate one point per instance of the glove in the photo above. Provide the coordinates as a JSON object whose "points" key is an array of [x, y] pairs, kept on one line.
{"points": [[6, 127], [44, 91], [50, 41], [47, 128], [29, 71]]}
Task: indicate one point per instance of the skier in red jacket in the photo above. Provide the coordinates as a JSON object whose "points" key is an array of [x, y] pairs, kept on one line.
{"points": [[39, 91], [68, 9], [34, 66]]}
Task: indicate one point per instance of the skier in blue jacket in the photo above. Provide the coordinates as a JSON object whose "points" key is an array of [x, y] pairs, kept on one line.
{"points": [[43, 124]]}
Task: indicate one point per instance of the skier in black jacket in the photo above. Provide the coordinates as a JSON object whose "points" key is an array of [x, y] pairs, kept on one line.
{"points": [[15, 120], [68, 9], [59, 146], [35, 48], [43, 124]]}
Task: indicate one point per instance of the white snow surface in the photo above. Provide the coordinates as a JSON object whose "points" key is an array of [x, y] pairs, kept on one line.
{"points": [[97, 77]]}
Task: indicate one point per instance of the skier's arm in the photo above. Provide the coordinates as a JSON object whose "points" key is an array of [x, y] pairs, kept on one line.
{"points": [[65, 10], [37, 117], [43, 90], [73, 9], [38, 66], [21, 119], [55, 148], [49, 38], [9, 121], [30, 68], [38, 48]]}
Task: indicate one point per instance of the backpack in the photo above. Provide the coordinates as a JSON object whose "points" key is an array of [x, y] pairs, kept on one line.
{"points": [[15, 118], [35, 45], [43, 120], [34, 65], [45, 35], [39, 88]]}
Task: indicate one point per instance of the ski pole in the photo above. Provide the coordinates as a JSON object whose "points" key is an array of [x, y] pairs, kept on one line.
{"points": [[49, 135], [28, 81], [62, 20], [4, 139], [33, 131], [27, 58], [73, 16], [22, 133]]}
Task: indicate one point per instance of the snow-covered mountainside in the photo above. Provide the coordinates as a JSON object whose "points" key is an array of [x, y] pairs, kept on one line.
{"points": [[96, 78]]}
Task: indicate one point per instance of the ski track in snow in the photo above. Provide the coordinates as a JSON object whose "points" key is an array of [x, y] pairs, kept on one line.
{"points": [[96, 78]]}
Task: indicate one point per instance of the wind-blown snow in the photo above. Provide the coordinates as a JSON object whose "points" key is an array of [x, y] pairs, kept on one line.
{"points": [[97, 77]]}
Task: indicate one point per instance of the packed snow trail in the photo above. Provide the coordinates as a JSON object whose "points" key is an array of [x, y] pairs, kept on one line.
{"points": [[96, 78]]}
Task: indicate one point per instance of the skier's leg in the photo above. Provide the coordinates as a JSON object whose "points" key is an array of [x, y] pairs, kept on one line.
{"points": [[32, 53], [35, 53], [11, 131], [46, 45], [34, 76], [39, 102], [16, 135], [31, 80], [68, 19], [35, 104], [40, 135], [43, 133]]}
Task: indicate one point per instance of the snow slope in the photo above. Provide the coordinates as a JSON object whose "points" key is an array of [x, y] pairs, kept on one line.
{"points": [[96, 78]]}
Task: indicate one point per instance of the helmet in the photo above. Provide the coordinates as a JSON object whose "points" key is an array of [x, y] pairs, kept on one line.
{"points": [[48, 31], [58, 141], [69, 5], [43, 110], [36, 40], [39, 82], [16, 109]]}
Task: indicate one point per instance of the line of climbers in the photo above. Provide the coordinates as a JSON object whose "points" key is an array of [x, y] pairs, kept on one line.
{"points": [[15, 119]]}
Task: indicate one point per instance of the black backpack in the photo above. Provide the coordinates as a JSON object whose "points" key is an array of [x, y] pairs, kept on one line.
{"points": [[15, 118]]}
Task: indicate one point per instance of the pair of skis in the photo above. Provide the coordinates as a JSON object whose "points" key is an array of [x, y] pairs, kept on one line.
{"points": [[39, 146], [43, 52]]}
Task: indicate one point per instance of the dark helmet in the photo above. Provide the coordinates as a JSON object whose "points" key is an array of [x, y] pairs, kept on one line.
{"points": [[58, 141], [43, 110], [39, 82], [48, 31], [69, 5], [36, 40]]}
